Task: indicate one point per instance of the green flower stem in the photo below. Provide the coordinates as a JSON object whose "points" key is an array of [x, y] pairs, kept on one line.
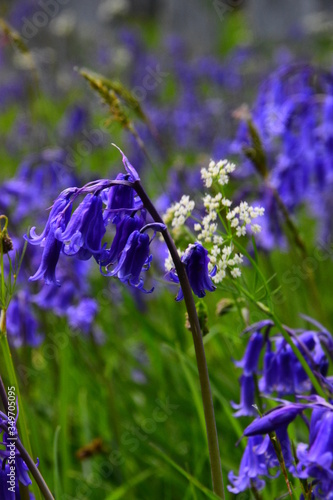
{"points": [[278, 450], [206, 393]]}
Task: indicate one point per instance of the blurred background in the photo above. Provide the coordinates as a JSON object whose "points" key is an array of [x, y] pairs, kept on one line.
{"points": [[95, 359]]}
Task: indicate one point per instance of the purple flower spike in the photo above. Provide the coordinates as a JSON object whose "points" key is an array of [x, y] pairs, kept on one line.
{"points": [[128, 167], [250, 361], [279, 417]]}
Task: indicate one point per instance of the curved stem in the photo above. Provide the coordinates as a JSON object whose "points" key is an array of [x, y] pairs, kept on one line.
{"points": [[206, 393]]}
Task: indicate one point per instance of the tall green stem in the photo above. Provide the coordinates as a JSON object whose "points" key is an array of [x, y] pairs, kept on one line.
{"points": [[206, 393]]}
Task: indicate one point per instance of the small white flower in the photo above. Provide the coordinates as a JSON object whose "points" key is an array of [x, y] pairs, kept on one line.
{"points": [[235, 272], [179, 212], [241, 231], [255, 228]]}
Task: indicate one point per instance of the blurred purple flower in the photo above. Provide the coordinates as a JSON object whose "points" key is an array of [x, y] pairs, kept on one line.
{"points": [[22, 325]]}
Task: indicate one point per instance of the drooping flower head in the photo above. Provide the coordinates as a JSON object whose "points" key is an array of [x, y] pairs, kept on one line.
{"points": [[81, 233], [196, 261], [135, 257]]}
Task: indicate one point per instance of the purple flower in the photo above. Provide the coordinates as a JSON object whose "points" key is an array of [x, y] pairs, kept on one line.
{"points": [[49, 261], [285, 384], [38, 179], [316, 459], [245, 407], [58, 210], [282, 371], [82, 316], [84, 233], [196, 262], [252, 466], [268, 382], [22, 325], [274, 419], [76, 119], [120, 199], [124, 228], [134, 259], [250, 361]]}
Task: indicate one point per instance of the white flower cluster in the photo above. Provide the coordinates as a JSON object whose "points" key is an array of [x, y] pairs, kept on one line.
{"points": [[208, 226], [217, 171], [222, 258], [242, 216], [179, 212], [236, 221]]}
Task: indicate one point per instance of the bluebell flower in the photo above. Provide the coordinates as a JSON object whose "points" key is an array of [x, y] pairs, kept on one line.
{"points": [[249, 363], [56, 299], [124, 228], [247, 399], [39, 178], [258, 459], [22, 325], [252, 466], [285, 381], [282, 372], [134, 259], [75, 120], [82, 315], [85, 230], [285, 445], [52, 246], [196, 262], [268, 382], [275, 419], [120, 200], [57, 212], [315, 460], [294, 125], [49, 261]]}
